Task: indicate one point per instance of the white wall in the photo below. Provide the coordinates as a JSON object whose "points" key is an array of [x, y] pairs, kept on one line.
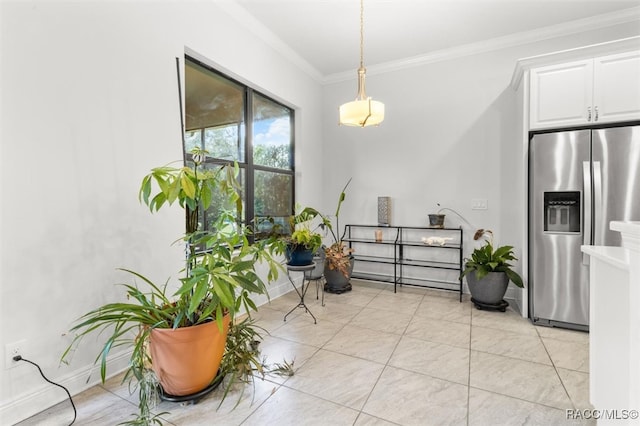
{"points": [[450, 135], [89, 105]]}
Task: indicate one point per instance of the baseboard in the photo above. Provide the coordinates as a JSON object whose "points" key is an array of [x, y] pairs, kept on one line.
{"points": [[275, 290], [47, 395], [513, 303]]}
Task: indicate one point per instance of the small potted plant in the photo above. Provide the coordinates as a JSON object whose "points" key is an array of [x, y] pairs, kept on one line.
{"points": [[488, 273], [338, 258], [436, 220], [303, 242]]}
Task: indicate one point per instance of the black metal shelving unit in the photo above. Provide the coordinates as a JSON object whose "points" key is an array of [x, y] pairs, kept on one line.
{"points": [[401, 256]]}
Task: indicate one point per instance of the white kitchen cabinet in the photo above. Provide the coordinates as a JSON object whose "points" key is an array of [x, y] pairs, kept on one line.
{"points": [[592, 91], [561, 94], [616, 82], [614, 326]]}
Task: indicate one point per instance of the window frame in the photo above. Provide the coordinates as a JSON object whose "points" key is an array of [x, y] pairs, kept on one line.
{"points": [[248, 164]]}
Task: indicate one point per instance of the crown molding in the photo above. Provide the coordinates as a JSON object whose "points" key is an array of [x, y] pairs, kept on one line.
{"points": [[243, 17], [610, 47], [552, 31]]}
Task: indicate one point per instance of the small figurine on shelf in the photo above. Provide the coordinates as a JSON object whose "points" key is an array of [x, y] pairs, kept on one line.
{"points": [[436, 240]]}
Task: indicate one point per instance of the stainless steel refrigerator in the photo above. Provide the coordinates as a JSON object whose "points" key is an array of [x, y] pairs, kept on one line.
{"points": [[579, 181]]}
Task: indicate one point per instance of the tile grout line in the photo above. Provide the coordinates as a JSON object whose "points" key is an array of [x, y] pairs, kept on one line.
{"points": [[360, 411], [519, 359], [553, 364], [386, 365], [283, 384], [278, 386]]}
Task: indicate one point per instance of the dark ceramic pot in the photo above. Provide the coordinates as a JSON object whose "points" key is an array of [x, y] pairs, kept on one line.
{"points": [[436, 220], [490, 289], [336, 282]]}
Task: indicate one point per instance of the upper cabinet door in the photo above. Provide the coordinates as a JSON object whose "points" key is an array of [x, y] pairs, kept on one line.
{"points": [[616, 95], [561, 95]]}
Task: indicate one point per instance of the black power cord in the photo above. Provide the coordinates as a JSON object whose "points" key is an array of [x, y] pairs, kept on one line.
{"points": [[19, 358]]}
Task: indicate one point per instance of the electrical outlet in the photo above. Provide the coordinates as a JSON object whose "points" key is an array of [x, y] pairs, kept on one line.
{"points": [[479, 204], [11, 350]]}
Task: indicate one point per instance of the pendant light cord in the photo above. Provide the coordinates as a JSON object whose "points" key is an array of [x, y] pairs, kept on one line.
{"points": [[361, 33]]}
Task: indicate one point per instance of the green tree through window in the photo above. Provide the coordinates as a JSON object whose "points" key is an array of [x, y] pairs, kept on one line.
{"points": [[216, 108]]}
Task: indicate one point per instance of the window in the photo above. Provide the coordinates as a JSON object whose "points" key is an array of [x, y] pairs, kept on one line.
{"points": [[216, 111]]}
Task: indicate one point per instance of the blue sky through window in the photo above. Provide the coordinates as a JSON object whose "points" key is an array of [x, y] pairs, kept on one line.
{"points": [[275, 131]]}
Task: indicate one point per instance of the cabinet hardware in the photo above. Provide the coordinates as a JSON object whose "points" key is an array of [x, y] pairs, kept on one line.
{"points": [[588, 113], [596, 111]]}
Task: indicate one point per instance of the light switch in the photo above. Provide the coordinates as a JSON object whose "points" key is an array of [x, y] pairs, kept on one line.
{"points": [[479, 204]]}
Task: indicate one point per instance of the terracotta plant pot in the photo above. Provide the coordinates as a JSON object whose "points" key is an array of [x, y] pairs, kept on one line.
{"points": [[186, 360]]}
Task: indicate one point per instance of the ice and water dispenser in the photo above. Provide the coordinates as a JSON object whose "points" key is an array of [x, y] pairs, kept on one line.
{"points": [[562, 211]]}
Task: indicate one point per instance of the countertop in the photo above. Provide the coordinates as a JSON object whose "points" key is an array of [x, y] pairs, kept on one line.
{"points": [[619, 257]]}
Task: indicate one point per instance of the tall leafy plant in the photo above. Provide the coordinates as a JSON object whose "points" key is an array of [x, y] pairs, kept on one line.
{"points": [[338, 255], [227, 261], [218, 280]]}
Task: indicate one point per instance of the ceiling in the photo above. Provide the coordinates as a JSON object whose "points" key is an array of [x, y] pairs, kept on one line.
{"points": [[325, 34]]}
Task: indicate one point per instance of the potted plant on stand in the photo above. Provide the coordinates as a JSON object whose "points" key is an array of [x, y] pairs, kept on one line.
{"points": [[488, 273], [303, 242], [217, 284], [338, 257]]}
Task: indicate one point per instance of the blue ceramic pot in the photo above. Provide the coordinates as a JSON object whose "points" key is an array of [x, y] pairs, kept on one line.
{"points": [[298, 255]]}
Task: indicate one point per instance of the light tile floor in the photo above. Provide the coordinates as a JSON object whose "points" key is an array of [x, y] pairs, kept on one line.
{"points": [[416, 357]]}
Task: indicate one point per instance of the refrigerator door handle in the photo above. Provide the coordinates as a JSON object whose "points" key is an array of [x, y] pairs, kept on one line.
{"points": [[597, 204], [588, 218]]}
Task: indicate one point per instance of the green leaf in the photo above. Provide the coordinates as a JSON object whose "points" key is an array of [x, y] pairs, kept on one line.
{"points": [[481, 273], [199, 293], [515, 278], [242, 266], [503, 251], [187, 186], [222, 288], [162, 182], [157, 201], [145, 190], [173, 190], [205, 196], [342, 197]]}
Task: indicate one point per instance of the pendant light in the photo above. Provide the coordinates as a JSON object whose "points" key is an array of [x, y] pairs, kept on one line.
{"points": [[363, 111]]}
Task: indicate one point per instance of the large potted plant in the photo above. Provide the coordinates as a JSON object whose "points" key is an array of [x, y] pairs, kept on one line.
{"points": [[338, 257], [488, 273], [218, 280]]}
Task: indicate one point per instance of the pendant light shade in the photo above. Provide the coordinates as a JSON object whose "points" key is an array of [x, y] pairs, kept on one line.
{"points": [[363, 111]]}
